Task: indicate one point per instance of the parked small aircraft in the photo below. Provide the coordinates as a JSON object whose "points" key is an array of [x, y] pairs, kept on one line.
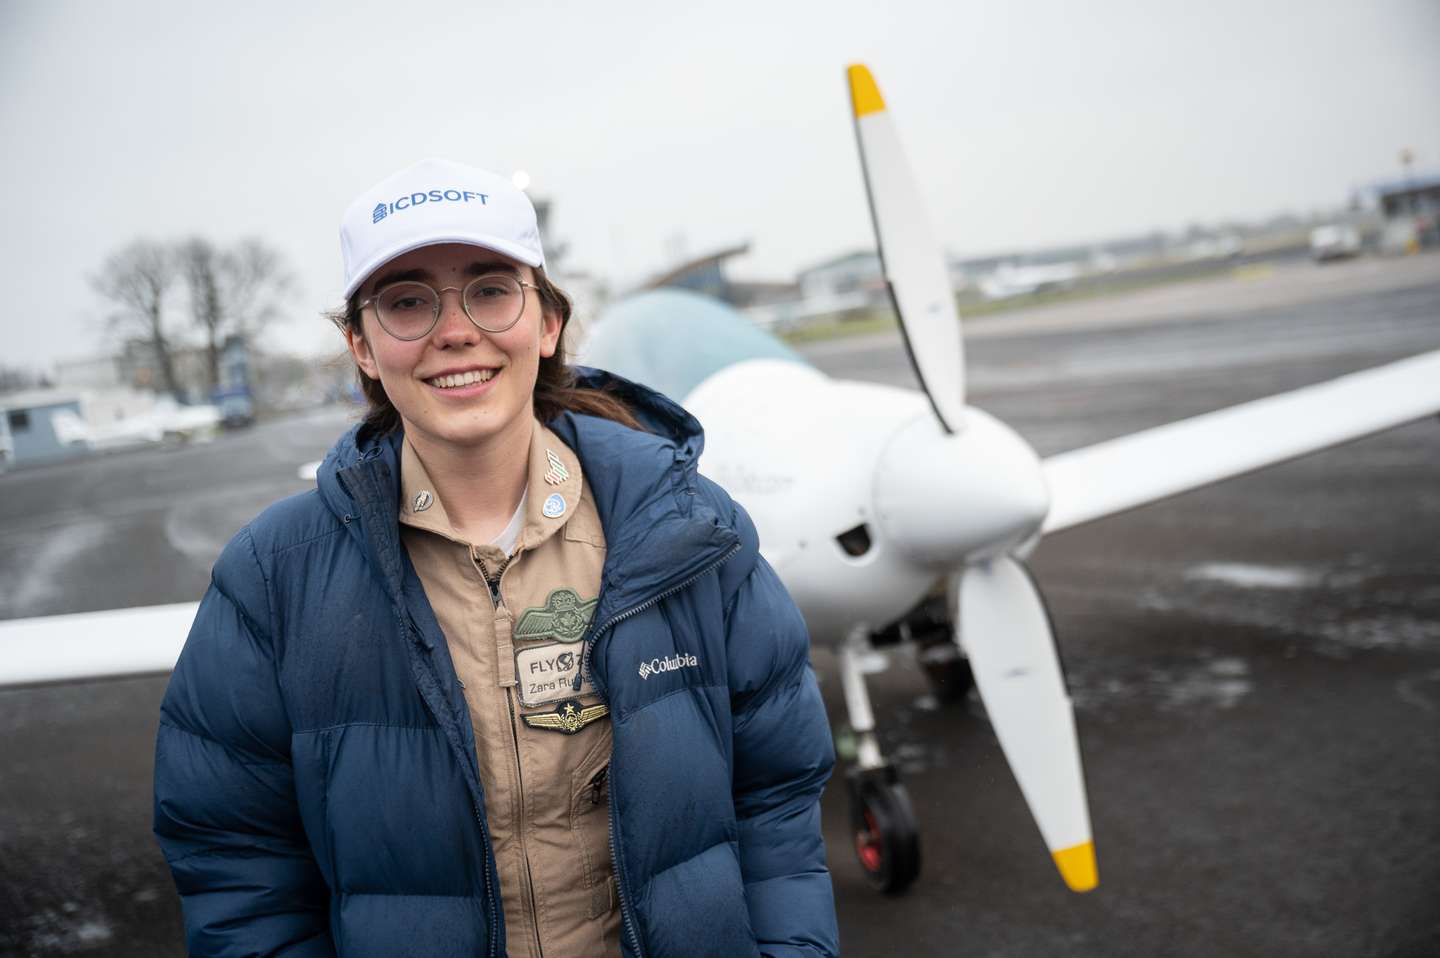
{"points": [[888, 513]]}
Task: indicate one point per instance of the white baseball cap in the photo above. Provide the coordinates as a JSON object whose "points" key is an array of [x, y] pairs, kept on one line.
{"points": [[436, 201]]}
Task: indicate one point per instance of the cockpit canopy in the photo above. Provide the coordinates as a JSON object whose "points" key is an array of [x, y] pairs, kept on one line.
{"points": [[672, 340]]}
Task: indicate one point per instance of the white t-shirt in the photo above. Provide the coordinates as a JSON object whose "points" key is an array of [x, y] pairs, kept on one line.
{"points": [[510, 535]]}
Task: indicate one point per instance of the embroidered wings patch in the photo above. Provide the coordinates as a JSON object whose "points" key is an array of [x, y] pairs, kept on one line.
{"points": [[563, 617]]}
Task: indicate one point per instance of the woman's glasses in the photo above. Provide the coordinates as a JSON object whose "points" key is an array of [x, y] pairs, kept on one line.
{"points": [[409, 310]]}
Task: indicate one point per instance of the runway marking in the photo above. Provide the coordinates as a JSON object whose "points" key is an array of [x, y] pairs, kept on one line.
{"points": [[1215, 683], [1411, 691], [41, 579], [1251, 576], [1220, 683], [200, 526]]}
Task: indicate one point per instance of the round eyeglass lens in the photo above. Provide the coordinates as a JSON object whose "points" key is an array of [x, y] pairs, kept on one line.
{"points": [[494, 301], [406, 310]]}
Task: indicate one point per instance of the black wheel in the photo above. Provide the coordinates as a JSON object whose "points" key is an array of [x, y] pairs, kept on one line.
{"points": [[887, 843]]}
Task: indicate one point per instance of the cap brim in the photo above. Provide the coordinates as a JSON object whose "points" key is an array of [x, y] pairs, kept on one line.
{"points": [[505, 248]]}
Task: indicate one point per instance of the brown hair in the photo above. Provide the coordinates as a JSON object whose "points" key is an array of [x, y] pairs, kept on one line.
{"points": [[555, 387]]}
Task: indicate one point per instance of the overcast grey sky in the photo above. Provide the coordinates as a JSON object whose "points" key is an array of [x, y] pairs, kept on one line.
{"points": [[1029, 122]]}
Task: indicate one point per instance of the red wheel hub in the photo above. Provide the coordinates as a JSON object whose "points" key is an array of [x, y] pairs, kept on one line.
{"points": [[868, 844]]}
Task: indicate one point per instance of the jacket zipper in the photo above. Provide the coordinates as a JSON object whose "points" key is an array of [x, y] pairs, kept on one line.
{"points": [[524, 852], [614, 620], [493, 583], [495, 911], [585, 670]]}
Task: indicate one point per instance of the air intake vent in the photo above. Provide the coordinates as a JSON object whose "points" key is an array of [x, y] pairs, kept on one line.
{"points": [[856, 541]]}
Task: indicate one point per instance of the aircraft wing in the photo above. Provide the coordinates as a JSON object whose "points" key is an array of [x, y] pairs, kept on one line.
{"points": [[1120, 474], [93, 645]]}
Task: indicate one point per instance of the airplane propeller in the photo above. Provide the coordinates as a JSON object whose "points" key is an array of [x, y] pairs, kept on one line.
{"points": [[1006, 633], [913, 262], [1001, 621]]}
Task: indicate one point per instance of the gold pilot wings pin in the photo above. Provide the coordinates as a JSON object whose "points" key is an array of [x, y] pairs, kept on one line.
{"points": [[563, 617], [569, 717]]}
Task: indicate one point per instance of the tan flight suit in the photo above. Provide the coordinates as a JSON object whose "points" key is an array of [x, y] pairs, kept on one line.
{"points": [[543, 748]]}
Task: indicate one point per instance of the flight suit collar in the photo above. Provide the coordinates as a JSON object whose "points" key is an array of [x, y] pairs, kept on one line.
{"points": [[420, 505], [553, 487]]}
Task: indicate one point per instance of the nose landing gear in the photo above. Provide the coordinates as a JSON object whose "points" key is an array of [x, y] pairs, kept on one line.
{"points": [[887, 842]]}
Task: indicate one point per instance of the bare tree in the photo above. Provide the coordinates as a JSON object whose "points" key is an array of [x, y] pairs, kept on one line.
{"points": [[202, 265], [138, 279], [258, 285], [233, 292]]}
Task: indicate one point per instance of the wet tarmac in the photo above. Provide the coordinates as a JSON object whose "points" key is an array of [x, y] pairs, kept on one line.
{"points": [[1256, 666]]}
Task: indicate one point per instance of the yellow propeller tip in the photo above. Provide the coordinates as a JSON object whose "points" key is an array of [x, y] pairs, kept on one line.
{"points": [[1077, 866], [864, 94]]}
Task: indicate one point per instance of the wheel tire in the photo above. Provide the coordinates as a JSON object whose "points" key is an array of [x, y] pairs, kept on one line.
{"points": [[887, 843]]}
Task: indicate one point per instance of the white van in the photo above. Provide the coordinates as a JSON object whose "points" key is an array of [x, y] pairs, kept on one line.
{"points": [[1334, 241]]}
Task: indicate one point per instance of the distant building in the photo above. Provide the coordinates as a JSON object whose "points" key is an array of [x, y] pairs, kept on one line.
{"points": [[139, 366], [94, 372], [705, 275], [29, 431], [848, 285], [1411, 207], [854, 280]]}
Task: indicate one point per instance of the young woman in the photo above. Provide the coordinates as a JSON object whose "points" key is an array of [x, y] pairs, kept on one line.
{"points": [[513, 680]]}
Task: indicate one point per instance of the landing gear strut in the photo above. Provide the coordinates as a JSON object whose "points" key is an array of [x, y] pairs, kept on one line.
{"points": [[929, 626], [887, 843]]}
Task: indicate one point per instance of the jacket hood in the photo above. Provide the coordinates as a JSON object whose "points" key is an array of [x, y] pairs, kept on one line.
{"points": [[658, 531]]}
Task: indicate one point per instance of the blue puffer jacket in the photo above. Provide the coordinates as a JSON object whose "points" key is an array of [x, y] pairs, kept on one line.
{"points": [[316, 788]]}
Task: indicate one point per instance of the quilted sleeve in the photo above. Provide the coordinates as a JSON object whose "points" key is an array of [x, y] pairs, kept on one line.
{"points": [[225, 808], [783, 757]]}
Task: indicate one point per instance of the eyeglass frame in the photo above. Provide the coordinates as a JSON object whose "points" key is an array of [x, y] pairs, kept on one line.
{"points": [[435, 318]]}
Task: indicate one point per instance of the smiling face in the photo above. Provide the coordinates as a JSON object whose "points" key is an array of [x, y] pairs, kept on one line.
{"points": [[457, 389]]}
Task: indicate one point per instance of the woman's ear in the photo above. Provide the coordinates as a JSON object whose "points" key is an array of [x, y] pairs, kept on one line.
{"points": [[360, 349], [550, 329]]}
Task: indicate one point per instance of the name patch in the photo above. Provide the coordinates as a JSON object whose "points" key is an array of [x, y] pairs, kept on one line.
{"points": [[546, 673]]}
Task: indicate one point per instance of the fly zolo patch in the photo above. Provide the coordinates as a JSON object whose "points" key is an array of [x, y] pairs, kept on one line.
{"points": [[546, 673]]}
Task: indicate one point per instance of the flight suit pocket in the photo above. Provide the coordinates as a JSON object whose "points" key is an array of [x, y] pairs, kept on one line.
{"points": [[590, 824]]}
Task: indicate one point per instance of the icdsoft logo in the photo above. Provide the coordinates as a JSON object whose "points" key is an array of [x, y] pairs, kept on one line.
{"points": [[670, 663], [383, 210]]}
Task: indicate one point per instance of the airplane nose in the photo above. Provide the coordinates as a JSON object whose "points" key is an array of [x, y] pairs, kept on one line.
{"points": [[944, 498]]}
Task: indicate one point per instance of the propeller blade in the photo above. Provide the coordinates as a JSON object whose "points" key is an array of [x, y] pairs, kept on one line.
{"points": [[913, 262], [1006, 633]]}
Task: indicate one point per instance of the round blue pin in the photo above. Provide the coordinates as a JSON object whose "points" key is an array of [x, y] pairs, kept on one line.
{"points": [[554, 506]]}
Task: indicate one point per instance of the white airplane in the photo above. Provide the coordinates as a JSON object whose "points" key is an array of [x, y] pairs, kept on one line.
{"points": [[872, 500], [1010, 280]]}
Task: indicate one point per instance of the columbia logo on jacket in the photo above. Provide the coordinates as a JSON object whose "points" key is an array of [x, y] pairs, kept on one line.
{"points": [[668, 664]]}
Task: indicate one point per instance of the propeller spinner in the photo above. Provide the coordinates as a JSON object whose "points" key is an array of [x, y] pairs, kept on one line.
{"points": [[994, 503]]}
